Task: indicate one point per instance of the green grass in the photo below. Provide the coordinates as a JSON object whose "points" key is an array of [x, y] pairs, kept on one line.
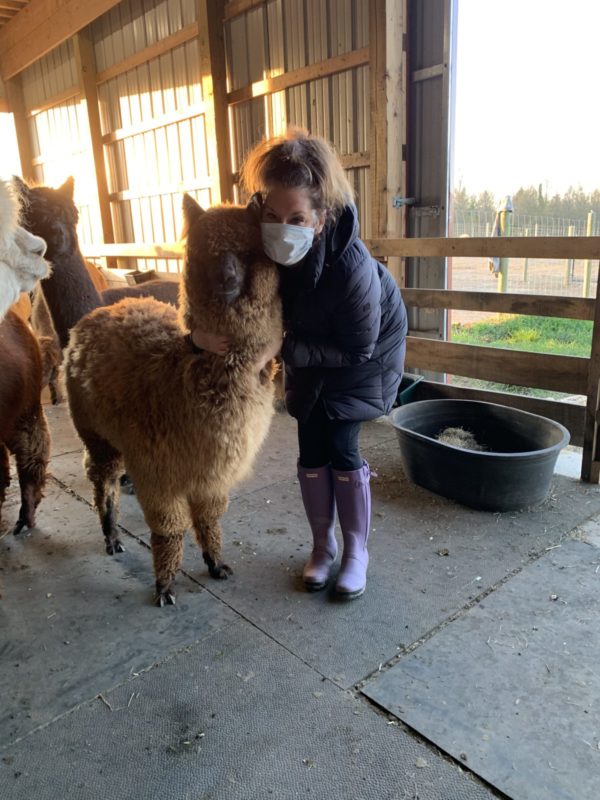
{"points": [[567, 337]]}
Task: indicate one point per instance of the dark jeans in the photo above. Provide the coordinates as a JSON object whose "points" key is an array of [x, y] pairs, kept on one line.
{"points": [[328, 441]]}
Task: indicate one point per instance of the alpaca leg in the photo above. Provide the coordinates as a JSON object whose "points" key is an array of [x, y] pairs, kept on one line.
{"points": [[168, 518], [167, 553], [4, 474], [54, 385], [104, 466], [31, 446], [206, 514]]}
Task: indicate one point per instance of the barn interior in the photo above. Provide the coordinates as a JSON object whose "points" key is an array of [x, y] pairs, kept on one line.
{"points": [[469, 667]]}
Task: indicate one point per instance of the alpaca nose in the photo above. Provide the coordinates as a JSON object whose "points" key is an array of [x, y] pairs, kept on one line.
{"points": [[39, 249], [230, 276]]}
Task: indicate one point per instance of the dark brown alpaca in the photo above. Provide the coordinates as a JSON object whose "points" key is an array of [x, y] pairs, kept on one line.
{"points": [[69, 291], [23, 428], [187, 424]]}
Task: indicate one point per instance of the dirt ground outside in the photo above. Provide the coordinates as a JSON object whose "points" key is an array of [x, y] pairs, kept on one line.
{"points": [[526, 276]]}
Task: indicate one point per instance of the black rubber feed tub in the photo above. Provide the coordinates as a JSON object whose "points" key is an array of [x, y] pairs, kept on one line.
{"points": [[513, 471]]}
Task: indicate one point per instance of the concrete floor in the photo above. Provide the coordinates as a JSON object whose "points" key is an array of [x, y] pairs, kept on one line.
{"points": [[467, 670]]}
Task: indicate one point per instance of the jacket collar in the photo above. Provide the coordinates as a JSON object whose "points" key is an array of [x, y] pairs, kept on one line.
{"points": [[335, 239]]}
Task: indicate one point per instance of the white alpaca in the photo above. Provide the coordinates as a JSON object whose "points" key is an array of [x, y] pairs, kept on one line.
{"points": [[21, 254]]}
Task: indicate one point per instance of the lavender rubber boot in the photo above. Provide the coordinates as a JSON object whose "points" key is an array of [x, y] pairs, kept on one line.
{"points": [[353, 500], [319, 503]]}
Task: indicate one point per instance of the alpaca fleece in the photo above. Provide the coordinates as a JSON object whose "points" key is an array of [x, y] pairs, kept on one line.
{"points": [[75, 286], [23, 427], [188, 425], [21, 254]]}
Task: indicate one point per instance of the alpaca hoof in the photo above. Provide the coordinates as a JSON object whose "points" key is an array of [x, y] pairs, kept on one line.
{"points": [[164, 597], [114, 547], [220, 571], [127, 486], [20, 524]]}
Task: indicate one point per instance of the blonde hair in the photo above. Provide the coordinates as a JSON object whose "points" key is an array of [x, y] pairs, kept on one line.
{"points": [[298, 160]]}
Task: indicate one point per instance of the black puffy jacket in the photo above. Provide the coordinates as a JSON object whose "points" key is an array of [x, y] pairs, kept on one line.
{"points": [[345, 326]]}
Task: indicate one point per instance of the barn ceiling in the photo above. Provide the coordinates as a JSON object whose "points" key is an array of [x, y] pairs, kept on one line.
{"points": [[8, 9]]}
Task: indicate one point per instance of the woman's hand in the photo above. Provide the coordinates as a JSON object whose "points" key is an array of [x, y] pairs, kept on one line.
{"points": [[213, 342], [269, 353]]}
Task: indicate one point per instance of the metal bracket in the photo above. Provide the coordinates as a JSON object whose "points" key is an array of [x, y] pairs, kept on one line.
{"points": [[427, 211], [422, 211], [398, 202]]}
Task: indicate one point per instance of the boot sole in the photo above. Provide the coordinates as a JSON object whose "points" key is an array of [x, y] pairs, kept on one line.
{"points": [[350, 595], [314, 587]]}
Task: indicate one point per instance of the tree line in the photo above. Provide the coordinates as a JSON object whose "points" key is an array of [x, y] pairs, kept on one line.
{"points": [[574, 204]]}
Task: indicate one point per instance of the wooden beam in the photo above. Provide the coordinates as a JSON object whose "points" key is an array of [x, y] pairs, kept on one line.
{"points": [[538, 370], [41, 26], [165, 188], [134, 250], [378, 120], [12, 5], [590, 468], [504, 303], [56, 100], [16, 103], [236, 8], [355, 160], [387, 129], [157, 122], [85, 62], [4, 108], [148, 53], [504, 247], [296, 77], [213, 71]]}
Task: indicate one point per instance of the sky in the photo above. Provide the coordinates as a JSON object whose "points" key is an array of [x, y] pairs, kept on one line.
{"points": [[527, 95]]}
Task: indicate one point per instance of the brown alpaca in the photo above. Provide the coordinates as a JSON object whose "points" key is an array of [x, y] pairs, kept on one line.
{"points": [[22, 307], [75, 286], [187, 424], [23, 428]]}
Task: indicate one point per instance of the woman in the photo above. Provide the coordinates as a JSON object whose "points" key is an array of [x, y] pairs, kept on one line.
{"points": [[344, 343]]}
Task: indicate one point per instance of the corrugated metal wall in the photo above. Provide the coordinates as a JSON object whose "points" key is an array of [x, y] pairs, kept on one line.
{"points": [[152, 112], [148, 171], [60, 133], [286, 35]]}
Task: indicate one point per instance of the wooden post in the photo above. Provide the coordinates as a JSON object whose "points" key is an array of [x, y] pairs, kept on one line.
{"points": [[16, 104], [525, 261], [505, 224], [590, 466], [213, 69], [570, 262], [85, 61], [587, 264], [387, 140]]}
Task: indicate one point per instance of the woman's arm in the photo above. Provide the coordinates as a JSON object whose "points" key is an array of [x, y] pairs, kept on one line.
{"points": [[355, 326]]}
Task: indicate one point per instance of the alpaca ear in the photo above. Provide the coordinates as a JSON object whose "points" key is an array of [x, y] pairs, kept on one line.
{"points": [[255, 206], [191, 210], [68, 188], [20, 186]]}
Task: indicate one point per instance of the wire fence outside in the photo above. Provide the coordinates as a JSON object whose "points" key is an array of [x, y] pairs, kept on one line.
{"points": [[479, 222]]}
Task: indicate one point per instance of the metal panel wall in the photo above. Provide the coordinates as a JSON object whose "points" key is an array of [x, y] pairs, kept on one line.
{"points": [[431, 54], [284, 35], [148, 171], [60, 133]]}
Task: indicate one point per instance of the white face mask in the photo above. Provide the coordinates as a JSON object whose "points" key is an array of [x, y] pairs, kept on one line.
{"points": [[286, 244]]}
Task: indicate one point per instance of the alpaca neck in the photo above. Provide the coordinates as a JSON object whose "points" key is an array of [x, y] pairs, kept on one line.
{"points": [[70, 293]]}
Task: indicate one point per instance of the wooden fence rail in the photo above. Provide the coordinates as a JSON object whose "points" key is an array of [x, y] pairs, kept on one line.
{"points": [[567, 374]]}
